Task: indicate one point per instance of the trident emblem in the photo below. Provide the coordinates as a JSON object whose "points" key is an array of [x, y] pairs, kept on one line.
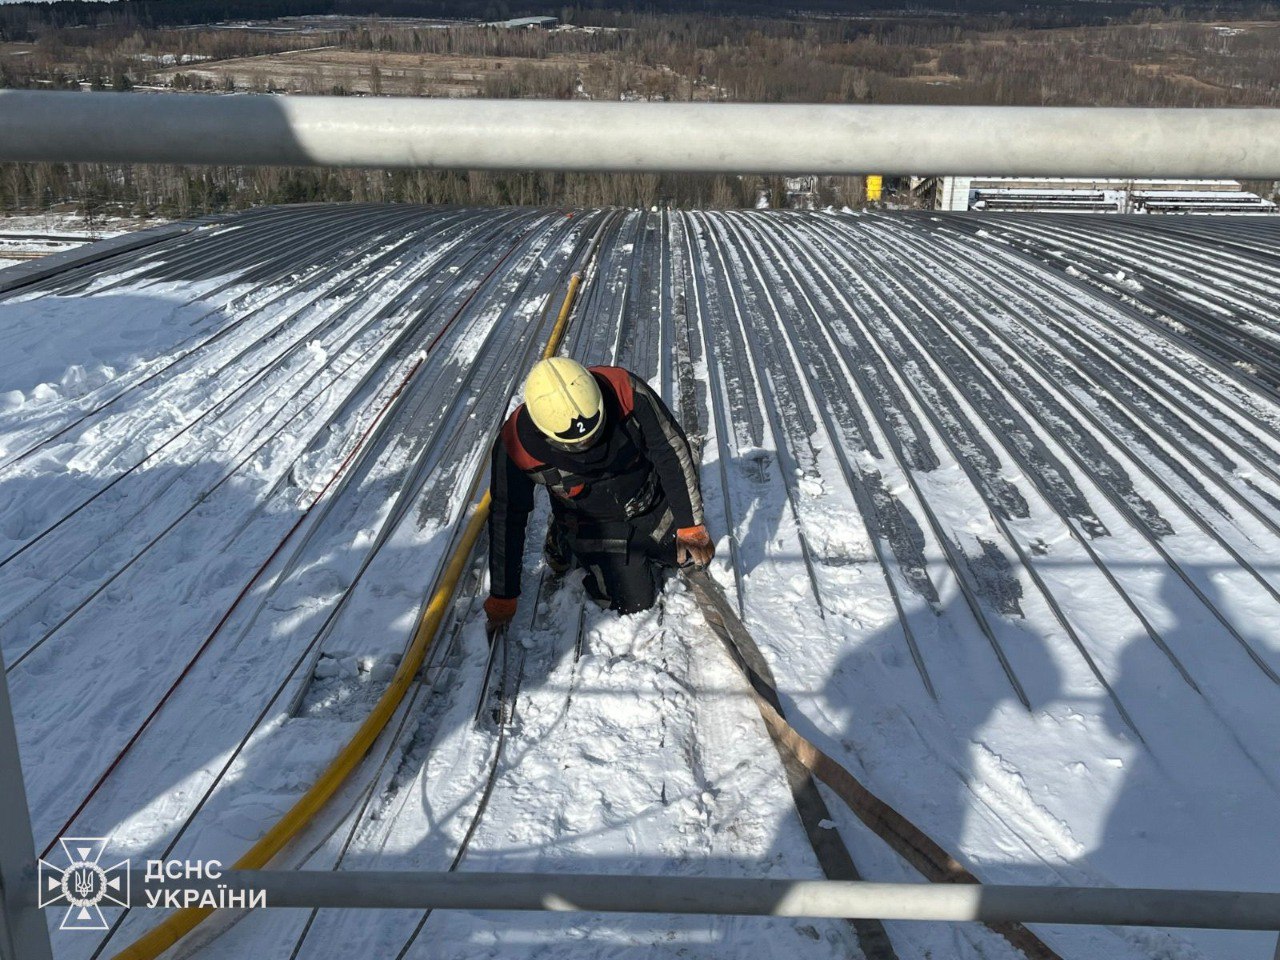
{"points": [[83, 885]]}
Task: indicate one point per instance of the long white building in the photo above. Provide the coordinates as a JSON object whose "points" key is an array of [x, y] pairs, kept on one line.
{"points": [[1076, 195]]}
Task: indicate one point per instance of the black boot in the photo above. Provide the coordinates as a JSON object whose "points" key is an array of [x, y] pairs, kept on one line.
{"points": [[556, 550]]}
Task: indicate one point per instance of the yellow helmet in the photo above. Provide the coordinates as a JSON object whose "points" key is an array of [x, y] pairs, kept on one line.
{"points": [[564, 401]]}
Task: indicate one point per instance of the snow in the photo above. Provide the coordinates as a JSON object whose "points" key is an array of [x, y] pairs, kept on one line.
{"points": [[73, 226], [28, 237], [933, 456], [171, 59]]}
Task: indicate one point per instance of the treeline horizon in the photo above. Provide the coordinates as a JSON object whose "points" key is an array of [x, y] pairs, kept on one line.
{"points": [[24, 21], [174, 192], [1152, 59]]}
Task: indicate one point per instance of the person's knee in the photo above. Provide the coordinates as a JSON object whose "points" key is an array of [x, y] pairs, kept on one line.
{"points": [[625, 589], [635, 599]]}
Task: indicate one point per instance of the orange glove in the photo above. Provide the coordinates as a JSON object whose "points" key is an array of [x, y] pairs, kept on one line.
{"points": [[499, 612], [693, 544]]}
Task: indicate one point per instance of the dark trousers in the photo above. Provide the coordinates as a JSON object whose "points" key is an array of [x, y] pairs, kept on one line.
{"points": [[625, 560]]}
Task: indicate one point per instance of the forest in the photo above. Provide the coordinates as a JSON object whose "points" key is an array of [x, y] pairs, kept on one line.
{"points": [[1150, 56], [23, 20]]}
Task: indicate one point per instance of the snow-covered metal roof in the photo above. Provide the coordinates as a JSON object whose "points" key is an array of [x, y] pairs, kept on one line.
{"points": [[1000, 496]]}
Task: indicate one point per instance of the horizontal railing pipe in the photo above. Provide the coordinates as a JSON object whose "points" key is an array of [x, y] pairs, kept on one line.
{"points": [[601, 893], [652, 137]]}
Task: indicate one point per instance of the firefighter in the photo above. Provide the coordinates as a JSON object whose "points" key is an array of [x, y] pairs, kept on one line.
{"points": [[625, 498]]}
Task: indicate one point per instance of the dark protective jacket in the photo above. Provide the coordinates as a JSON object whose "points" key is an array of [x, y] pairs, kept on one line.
{"points": [[641, 459]]}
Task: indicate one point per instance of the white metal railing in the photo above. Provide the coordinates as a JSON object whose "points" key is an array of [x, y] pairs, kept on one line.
{"points": [[23, 933], [690, 137], [736, 896], [729, 138]]}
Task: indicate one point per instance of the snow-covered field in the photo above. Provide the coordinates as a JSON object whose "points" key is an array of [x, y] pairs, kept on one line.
{"points": [[26, 237], [1000, 497]]}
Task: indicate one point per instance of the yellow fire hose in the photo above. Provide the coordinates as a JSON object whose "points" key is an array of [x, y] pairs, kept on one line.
{"points": [[178, 924]]}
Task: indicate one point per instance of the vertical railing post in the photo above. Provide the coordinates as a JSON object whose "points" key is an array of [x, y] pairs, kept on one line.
{"points": [[23, 933]]}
